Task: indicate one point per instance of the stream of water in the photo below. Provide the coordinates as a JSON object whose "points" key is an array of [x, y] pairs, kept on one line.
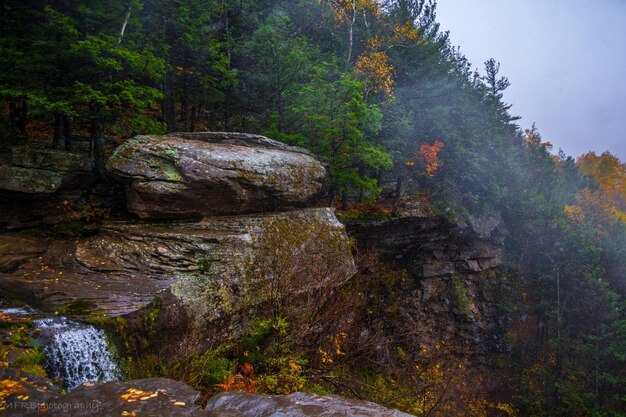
{"points": [[74, 352]]}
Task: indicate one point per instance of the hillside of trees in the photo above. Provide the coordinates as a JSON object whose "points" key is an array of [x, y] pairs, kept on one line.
{"points": [[396, 113]]}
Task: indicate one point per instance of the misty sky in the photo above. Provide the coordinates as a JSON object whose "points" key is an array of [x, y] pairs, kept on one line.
{"points": [[565, 59]]}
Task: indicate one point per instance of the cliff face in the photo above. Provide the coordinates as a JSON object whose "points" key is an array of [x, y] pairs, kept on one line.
{"points": [[425, 281], [202, 264], [226, 226], [431, 284]]}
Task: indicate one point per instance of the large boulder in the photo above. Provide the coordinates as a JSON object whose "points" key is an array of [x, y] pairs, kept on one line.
{"points": [[202, 174], [298, 404]]}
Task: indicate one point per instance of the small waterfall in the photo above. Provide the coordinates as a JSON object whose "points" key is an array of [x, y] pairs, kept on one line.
{"points": [[76, 352]]}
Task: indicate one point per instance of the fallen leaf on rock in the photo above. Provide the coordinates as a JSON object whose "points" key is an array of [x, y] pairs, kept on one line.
{"points": [[8, 387], [134, 394]]}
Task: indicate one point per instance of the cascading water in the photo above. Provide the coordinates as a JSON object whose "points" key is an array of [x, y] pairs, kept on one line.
{"points": [[76, 352]]}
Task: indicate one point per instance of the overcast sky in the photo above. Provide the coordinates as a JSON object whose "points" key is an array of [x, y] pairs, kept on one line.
{"points": [[565, 59]]}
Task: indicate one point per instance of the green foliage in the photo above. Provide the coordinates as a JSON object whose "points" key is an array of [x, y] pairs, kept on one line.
{"points": [[205, 370], [150, 313], [76, 308], [336, 122], [27, 354], [460, 295], [265, 338], [262, 360], [204, 265], [31, 360]]}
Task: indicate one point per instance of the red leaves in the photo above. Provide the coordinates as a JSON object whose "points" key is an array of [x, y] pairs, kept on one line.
{"points": [[427, 158], [242, 381]]}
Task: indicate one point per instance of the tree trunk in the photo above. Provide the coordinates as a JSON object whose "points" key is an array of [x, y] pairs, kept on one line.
{"points": [[67, 131], [331, 196], [194, 117], [361, 189], [58, 131], [351, 34], [398, 193], [97, 145], [164, 102], [126, 17], [344, 200], [171, 107], [18, 116], [184, 104], [13, 116]]}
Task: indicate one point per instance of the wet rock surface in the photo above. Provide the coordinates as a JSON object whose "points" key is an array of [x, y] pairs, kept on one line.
{"points": [[203, 174], [25, 395], [123, 267], [298, 405], [144, 397], [54, 280], [21, 393], [16, 250]]}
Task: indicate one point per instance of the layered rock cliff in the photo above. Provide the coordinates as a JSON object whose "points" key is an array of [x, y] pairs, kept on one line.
{"points": [[431, 283], [205, 259]]}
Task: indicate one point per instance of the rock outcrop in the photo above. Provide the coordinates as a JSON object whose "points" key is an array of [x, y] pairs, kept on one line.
{"points": [[122, 268], [207, 269], [297, 405], [26, 395], [434, 282], [35, 183], [43, 171], [204, 174]]}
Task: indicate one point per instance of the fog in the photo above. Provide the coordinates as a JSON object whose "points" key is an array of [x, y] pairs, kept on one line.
{"points": [[566, 61]]}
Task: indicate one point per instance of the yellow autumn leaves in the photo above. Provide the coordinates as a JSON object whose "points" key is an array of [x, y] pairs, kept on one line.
{"points": [[373, 66], [133, 394], [8, 387]]}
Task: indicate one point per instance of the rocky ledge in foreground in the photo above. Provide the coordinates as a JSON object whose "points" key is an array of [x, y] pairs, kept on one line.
{"points": [[298, 404], [213, 173], [25, 395]]}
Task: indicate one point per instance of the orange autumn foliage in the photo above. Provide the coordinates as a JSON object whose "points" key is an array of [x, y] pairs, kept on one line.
{"points": [[609, 173], [374, 66], [376, 70], [243, 381]]}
